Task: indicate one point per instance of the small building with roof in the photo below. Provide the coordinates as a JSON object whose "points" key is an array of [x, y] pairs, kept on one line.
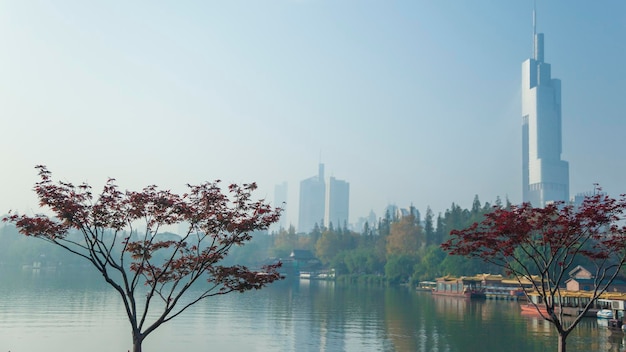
{"points": [[304, 260], [582, 279]]}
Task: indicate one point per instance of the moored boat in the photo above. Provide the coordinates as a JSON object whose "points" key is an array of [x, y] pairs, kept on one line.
{"points": [[504, 292], [605, 314], [529, 308], [327, 275], [467, 287], [426, 286]]}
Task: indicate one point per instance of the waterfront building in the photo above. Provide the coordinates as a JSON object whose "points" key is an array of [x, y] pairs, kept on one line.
{"points": [[581, 279], [545, 176]]}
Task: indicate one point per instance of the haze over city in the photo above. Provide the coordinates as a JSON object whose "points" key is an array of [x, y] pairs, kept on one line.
{"points": [[411, 102]]}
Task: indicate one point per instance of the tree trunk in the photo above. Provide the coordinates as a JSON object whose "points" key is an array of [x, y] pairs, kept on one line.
{"points": [[137, 341], [562, 344]]}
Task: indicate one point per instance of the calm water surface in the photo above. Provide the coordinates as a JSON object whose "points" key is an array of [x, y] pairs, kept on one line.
{"points": [[54, 312]]}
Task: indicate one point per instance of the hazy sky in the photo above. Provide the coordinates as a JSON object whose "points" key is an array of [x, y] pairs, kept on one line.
{"points": [[409, 101]]}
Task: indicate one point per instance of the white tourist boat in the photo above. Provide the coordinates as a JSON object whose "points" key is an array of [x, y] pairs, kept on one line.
{"points": [[605, 314]]}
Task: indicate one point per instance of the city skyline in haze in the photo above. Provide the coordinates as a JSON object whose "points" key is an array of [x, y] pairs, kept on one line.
{"points": [[412, 102]]}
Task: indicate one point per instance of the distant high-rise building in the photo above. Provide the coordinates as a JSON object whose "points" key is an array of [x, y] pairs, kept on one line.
{"points": [[338, 203], [312, 201], [280, 201], [545, 176]]}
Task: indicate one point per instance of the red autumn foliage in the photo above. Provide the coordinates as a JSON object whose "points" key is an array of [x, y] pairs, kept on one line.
{"points": [[542, 245], [104, 232]]}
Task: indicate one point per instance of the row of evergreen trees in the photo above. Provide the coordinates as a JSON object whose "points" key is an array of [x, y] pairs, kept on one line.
{"points": [[398, 248]]}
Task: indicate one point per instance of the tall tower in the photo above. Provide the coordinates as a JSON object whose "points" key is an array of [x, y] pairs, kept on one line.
{"points": [[338, 203], [312, 201], [545, 176], [280, 201]]}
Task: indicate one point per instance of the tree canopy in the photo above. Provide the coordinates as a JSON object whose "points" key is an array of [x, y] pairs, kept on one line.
{"points": [[152, 273], [542, 245]]}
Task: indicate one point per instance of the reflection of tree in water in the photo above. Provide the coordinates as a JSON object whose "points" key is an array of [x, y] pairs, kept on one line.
{"points": [[404, 321], [615, 342], [588, 335], [470, 325], [404, 328], [320, 316], [389, 314], [440, 323], [594, 335]]}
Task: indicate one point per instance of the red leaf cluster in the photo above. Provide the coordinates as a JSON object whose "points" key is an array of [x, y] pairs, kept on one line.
{"points": [[216, 221], [591, 230]]}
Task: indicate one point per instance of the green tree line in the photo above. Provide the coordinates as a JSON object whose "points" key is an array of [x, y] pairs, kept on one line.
{"points": [[397, 249]]}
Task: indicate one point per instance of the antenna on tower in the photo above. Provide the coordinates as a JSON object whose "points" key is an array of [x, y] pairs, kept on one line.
{"points": [[535, 49], [534, 18]]}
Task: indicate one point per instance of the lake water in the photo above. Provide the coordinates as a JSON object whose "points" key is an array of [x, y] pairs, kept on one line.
{"points": [[52, 312]]}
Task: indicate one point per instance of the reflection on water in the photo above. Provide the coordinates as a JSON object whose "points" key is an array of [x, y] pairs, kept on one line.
{"points": [[57, 312]]}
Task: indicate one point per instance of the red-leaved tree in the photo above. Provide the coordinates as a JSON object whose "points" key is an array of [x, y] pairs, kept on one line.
{"points": [[542, 245], [118, 233]]}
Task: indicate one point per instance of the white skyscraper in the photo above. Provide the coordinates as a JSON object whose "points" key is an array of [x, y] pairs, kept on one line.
{"points": [[321, 205], [312, 201], [338, 203], [545, 176], [280, 201]]}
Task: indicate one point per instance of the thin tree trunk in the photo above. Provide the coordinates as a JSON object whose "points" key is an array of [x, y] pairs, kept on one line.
{"points": [[562, 343], [137, 341]]}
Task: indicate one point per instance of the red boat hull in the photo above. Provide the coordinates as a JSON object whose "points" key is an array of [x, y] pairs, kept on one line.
{"points": [[529, 308]]}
